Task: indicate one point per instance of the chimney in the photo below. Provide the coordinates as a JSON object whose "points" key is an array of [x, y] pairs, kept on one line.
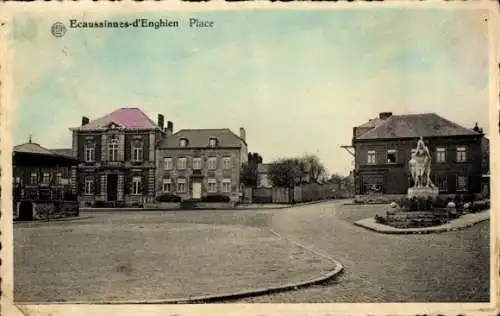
{"points": [[384, 115], [476, 128], [85, 120], [243, 134], [161, 121], [170, 128]]}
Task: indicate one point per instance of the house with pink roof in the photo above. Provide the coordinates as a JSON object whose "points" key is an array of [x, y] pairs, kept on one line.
{"points": [[118, 158]]}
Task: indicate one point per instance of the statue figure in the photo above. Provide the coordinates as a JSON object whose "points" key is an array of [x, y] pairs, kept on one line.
{"points": [[420, 166]]}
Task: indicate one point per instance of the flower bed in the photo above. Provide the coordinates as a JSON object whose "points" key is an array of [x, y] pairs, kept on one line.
{"points": [[427, 212]]}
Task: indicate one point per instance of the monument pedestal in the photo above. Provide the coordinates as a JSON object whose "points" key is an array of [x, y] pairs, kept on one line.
{"points": [[423, 192]]}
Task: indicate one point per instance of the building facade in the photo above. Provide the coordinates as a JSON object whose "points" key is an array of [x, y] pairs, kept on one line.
{"points": [[193, 163], [41, 180], [117, 154], [383, 148]]}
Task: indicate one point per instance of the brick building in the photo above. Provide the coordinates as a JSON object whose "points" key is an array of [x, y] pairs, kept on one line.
{"points": [[117, 154], [383, 147], [192, 163]]}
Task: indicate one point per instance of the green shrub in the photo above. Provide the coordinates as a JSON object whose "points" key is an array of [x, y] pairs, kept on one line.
{"points": [[168, 198], [216, 198]]}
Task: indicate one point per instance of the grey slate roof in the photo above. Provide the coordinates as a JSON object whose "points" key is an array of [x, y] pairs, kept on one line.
{"points": [[199, 138], [416, 125]]}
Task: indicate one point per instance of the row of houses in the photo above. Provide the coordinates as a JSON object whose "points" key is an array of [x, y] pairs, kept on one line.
{"points": [[125, 158]]}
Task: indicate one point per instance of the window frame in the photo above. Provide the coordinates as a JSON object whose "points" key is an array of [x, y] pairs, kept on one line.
{"points": [[212, 160], [166, 181], [113, 150], [213, 182], [89, 153], [392, 151], [136, 185], [168, 163], [184, 184], [371, 153], [440, 152], [181, 163], [197, 163], [226, 182], [88, 186], [228, 163], [461, 153]]}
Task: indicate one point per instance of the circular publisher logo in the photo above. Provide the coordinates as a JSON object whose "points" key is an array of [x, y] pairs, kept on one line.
{"points": [[58, 29]]}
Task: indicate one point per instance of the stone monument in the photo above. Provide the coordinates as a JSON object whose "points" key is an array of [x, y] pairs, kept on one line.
{"points": [[420, 169]]}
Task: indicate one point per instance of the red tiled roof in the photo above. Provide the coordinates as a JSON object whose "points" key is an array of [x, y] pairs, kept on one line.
{"points": [[416, 125], [129, 118], [199, 138]]}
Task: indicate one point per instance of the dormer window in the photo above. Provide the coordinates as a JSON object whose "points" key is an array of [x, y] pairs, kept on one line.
{"points": [[212, 142], [183, 142]]}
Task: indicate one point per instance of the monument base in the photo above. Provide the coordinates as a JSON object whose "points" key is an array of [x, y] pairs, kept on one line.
{"points": [[423, 192]]}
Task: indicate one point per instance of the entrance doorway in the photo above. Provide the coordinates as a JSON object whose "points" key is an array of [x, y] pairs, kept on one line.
{"points": [[196, 194], [25, 211], [112, 187]]}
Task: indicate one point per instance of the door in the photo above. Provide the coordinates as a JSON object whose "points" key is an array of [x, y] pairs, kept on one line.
{"points": [[25, 211], [112, 187], [196, 194]]}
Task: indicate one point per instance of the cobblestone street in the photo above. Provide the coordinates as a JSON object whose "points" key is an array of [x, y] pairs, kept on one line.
{"points": [[446, 267]]}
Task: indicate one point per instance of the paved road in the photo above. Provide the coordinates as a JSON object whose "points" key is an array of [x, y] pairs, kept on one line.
{"points": [[447, 267]]}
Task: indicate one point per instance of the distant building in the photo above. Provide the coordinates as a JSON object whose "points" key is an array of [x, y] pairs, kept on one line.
{"points": [[196, 162], [383, 147], [263, 180], [117, 154], [41, 180]]}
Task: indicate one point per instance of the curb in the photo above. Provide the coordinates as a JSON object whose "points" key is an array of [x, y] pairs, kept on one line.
{"points": [[43, 221], [422, 232], [224, 297]]}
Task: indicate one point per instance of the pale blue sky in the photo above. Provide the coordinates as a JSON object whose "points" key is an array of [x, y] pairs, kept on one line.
{"points": [[296, 80]]}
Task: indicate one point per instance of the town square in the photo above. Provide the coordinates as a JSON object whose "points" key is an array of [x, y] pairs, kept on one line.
{"points": [[340, 161]]}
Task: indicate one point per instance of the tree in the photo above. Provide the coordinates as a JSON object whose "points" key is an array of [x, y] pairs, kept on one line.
{"points": [[249, 175], [285, 172], [315, 170]]}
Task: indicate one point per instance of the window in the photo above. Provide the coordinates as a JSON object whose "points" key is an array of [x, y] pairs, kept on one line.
{"points": [[440, 155], [183, 142], [89, 186], [181, 185], [212, 163], [196, 163], [371, 157], [391, 156], [137, 152], [17, 180], [226, 185], [181, 163], [113, 150], [167, 163], [46, 178], [227, 163], [441, 181], [461, 183], [212, 142], [89, 154], [167, 185], [212, 185], [136, 185], [58, 178], [461, 154], [34, 179]]}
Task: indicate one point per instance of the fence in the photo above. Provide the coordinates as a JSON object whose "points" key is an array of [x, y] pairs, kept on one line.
{"points": [[303, 193]]}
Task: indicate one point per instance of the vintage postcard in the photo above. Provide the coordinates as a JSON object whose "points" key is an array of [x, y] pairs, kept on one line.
{"points": [[206, 158]]}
